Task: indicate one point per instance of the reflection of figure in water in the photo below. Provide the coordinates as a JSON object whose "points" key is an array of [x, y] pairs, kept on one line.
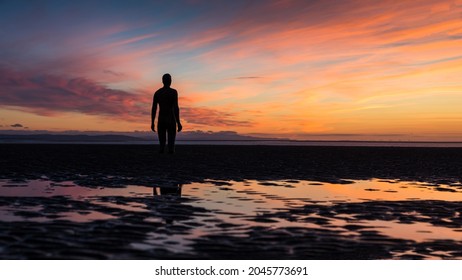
{"points": [[170, 193], [169, 114], [173, 190]]}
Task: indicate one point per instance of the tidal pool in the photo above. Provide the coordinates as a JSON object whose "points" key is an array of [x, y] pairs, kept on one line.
{"points": [[295, 219]]}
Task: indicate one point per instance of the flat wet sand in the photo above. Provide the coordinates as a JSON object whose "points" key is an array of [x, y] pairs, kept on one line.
{"points": [[125, 202], [133, 164]]}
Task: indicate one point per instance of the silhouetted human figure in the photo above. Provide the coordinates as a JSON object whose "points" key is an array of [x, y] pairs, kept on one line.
{"points": [[169, 114]]}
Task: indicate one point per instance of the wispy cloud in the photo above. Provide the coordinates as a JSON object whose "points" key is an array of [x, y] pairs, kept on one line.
{"points": [[114, 73], [50, 95], [248, 78], [279, 66]]}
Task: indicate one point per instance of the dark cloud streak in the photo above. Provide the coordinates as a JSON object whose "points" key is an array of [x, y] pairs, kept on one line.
{"points": [[113, 73], [248, 78], [50, 95]]}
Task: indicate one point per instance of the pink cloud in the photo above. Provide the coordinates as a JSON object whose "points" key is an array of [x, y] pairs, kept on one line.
{"points": [[211, 117], [50, 95]]}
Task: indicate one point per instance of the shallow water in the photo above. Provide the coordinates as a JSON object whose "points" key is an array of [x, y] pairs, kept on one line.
{"points": [[186, 219]]}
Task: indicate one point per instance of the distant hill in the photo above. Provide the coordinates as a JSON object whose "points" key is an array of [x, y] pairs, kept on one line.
{"points": [[10, 136], [34, 138]]}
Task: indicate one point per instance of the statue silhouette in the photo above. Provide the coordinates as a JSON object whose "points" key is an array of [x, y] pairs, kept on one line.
{"points": [[169, 114]]}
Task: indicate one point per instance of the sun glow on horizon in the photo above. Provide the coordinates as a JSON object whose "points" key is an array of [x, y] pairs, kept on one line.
{"points": [[388, 70]]}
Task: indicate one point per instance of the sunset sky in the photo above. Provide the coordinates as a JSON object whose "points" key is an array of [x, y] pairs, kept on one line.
{"points": [[380, 70]]}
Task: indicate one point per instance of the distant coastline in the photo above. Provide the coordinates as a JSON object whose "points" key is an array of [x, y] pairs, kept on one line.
{"points": [[339, 143], [236, 140]]}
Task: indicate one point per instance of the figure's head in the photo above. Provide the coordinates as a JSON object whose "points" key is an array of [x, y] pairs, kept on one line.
{"points": [[167, 80]]}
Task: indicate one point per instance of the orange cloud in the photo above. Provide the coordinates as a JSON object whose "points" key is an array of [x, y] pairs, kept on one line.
{"points": [[287, 66], [49, 95]]}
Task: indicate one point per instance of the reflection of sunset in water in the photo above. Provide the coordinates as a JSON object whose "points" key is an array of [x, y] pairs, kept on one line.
{"points": [[232, 207], [356, 191], [384, 190], [253, 197]]}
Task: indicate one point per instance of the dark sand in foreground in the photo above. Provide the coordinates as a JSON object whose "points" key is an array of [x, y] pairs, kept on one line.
{"points": [[114, 166], [141, 164]]}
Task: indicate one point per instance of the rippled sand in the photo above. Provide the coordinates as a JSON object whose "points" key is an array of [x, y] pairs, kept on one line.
{"points": [[229, 202], [285, 219]]}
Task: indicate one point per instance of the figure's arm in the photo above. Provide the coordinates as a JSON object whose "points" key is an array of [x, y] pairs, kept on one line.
{"points": [[177, 112], [153, 112]]}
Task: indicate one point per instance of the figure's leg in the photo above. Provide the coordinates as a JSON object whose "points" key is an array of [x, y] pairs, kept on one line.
{"points": [[171, 138], [162, 133]]}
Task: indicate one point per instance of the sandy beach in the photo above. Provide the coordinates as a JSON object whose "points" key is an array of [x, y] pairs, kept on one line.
{"points": [[229, 202], [136, 164]]}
